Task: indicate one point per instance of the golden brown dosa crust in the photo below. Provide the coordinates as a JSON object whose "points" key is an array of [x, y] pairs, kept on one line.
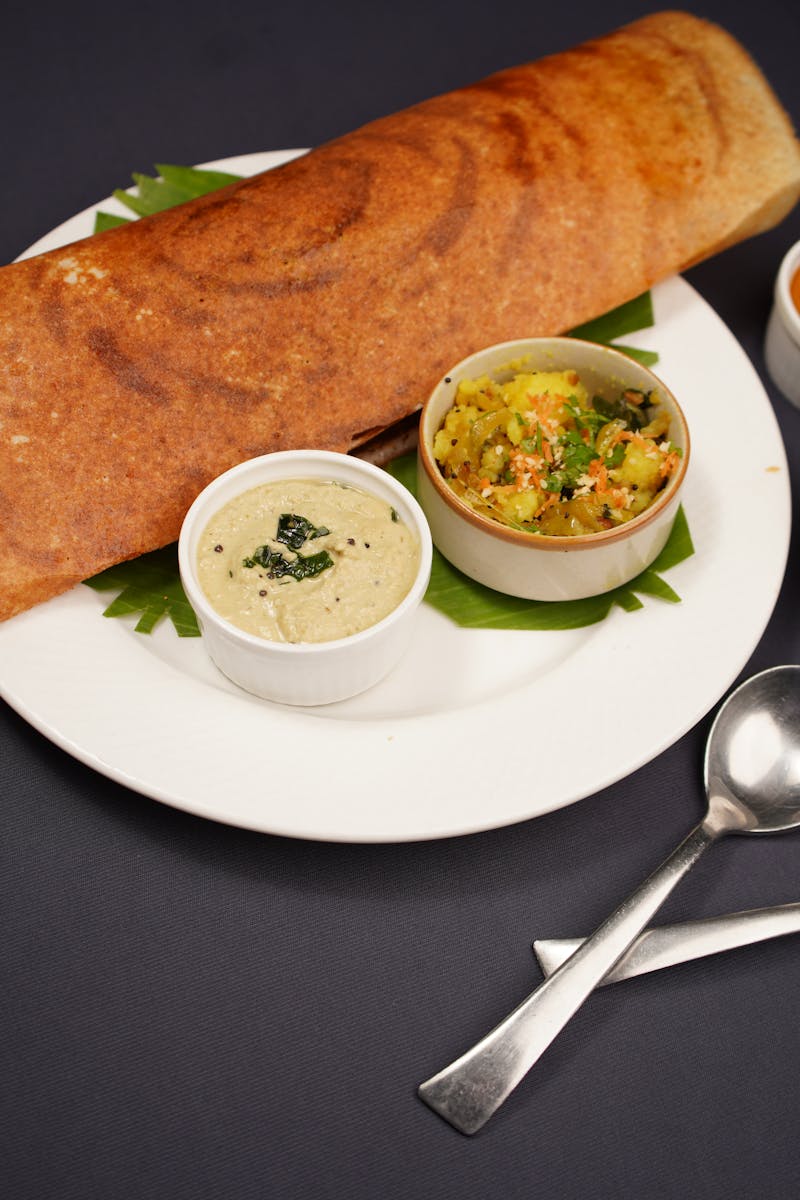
{"points": [[320, 302]]}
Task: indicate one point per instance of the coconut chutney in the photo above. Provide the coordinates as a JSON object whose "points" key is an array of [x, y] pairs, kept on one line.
{"points": [[306, 560]]}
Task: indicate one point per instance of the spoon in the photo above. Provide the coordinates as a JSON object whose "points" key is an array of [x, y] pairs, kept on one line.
{"points": [[752, 781]]}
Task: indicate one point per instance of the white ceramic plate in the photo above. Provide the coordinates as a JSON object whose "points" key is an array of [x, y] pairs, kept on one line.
{"points": [[475, 729]]}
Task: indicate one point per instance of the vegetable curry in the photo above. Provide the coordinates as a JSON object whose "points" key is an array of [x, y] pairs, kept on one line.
{"points": [[538, 454]]}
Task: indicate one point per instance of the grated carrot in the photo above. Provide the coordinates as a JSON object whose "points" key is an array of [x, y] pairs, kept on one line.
{"points": [[669, 464], [599, 473]]}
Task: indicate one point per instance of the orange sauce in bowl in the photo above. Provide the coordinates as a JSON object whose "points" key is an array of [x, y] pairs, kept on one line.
{"points": [[794, 289]]}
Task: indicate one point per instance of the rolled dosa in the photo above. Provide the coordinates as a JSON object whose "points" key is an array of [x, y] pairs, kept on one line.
{"points": [[318, 303]]}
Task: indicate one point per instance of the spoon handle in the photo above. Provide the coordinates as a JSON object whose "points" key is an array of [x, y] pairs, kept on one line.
{"points": [[468, 1091], [667, 945]]}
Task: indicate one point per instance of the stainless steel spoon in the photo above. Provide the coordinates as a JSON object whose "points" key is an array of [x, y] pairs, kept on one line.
{"points": [[752, 780]]}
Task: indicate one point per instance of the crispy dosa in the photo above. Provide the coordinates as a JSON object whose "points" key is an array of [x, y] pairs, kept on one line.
{"points": [[317, 303]]}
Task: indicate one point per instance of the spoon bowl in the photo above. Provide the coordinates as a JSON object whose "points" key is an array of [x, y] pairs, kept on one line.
{"points": [[752, 759], [752, 778]]}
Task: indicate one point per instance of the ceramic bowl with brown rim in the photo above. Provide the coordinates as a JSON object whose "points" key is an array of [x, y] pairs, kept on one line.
{"points": [[531, 564]]}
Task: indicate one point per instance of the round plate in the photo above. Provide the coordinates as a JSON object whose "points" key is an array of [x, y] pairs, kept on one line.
{"points": [[476, 728]]}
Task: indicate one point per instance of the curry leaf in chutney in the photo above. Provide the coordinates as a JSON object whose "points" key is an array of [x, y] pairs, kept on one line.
{"points": [[301, 567], [295, 531]]}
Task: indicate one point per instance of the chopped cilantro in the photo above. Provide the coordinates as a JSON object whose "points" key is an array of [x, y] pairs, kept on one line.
{"points": [[576, 454], [614, 459], [587, 418], [621, 410]]}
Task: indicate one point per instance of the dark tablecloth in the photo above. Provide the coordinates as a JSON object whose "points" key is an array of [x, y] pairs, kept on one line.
{"points": [[191, 1010]]}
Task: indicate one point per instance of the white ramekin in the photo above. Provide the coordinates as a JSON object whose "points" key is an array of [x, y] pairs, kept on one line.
{"points": [[533, 566], [782, 340], [304, 673]]}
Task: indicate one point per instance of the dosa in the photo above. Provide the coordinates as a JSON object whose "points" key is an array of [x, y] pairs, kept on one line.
{"points": [[318, 303]]}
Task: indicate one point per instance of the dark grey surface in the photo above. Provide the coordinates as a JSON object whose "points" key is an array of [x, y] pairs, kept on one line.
{"points": [[193, 1011]]}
